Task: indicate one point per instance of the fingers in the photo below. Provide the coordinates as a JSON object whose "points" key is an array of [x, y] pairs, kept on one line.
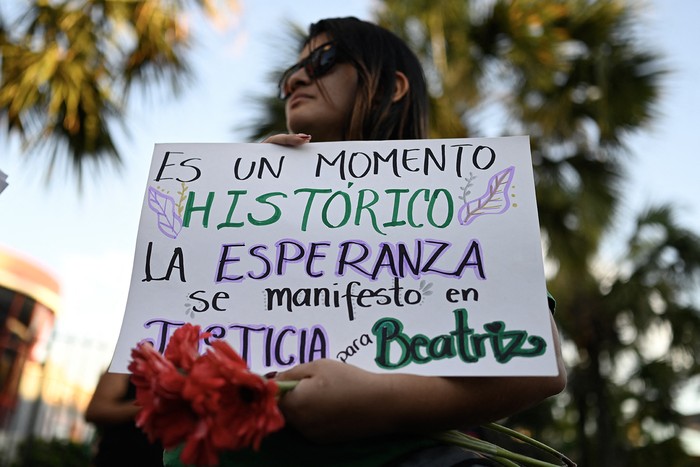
{"points": [[296, 373], [296, 139]]}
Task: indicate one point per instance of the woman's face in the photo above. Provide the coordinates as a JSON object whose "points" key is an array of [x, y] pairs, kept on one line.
{"points": [[321, 107]]}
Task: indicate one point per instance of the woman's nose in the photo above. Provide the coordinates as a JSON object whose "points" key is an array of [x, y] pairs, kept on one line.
{"points": [[299, 78]]}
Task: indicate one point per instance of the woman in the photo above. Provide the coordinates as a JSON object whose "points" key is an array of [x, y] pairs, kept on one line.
{"points": [[373, 88], [360, 83], [357, 81]]}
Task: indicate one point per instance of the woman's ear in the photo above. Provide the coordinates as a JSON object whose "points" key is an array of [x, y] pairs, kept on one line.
{"points": [[401, 88]]}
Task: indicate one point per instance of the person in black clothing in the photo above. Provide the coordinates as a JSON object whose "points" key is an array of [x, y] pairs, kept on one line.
{"points": [[113, 410]]}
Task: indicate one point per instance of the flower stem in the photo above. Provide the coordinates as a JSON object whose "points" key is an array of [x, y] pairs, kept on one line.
{"points": [[533, 442], [286, 386], [491, 450]]}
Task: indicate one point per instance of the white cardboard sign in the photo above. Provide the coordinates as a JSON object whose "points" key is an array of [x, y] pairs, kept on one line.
{"points": [[419, 256]]}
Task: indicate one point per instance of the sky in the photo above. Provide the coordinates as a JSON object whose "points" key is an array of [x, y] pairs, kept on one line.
{"points": [[86, 239]]}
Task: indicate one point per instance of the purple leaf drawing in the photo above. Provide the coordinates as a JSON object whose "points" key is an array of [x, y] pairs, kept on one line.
{"points": [[494, 201], [169, 222]]}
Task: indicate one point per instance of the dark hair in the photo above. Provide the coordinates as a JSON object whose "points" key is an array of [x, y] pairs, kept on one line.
{"points": [[378, 54]]}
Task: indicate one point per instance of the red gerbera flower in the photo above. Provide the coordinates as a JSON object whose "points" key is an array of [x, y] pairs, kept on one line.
{"points": [[245, 406], [199, 449], [210, 403], [164, 414], [183, 346]]}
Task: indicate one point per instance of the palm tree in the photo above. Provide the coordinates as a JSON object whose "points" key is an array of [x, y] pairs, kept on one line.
{"points": [[570, 74], [68, 68]]}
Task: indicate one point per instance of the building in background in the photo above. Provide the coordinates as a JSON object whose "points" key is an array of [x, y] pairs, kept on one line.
{"points": [[29, 305]]}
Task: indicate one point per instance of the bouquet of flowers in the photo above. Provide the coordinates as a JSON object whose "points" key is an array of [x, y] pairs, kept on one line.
{"points": [[212, 403]]}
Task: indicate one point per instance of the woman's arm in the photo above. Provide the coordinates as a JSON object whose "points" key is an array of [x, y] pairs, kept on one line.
{"points": [[107, 405], [337, 401]]}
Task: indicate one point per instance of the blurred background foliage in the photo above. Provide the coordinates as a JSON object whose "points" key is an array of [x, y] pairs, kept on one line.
{"points": [[53, 453], [68, 68], [576, 76]]}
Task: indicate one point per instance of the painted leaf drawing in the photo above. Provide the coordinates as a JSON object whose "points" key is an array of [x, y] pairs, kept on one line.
{"points": [[494, 201], [169, 222]]}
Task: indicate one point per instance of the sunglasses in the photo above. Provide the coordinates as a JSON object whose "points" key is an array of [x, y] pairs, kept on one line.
{"points": [[316, 64]]}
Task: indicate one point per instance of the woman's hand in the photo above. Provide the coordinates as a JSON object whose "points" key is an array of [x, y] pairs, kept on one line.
{"points": [[332, 400], [296, 139]]}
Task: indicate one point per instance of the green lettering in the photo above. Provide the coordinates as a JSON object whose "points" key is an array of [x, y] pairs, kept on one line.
{"points": [[190, 208]]}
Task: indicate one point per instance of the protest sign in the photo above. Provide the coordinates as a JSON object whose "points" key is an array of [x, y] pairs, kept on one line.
{"points": [[419, 256]]}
